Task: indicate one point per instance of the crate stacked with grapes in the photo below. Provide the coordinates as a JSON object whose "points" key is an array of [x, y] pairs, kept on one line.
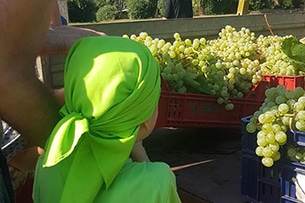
{"points": [[274, 140], [216, 82]]}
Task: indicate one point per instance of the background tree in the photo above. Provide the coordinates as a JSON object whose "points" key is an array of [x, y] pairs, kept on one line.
{"points": [[92, 10], [82, 10], [139, 9], [106, 12]]}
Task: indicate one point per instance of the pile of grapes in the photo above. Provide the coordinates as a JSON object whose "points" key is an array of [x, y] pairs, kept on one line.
{"points": [[281, 111], [226, 67]]}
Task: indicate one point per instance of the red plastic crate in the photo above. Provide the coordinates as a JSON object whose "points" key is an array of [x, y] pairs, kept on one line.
{"points": [[199, 110], [290, 82]]}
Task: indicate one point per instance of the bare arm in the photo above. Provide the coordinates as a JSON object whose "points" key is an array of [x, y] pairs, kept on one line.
{"points": [[25, 103], [60, 38], [55, 15]]}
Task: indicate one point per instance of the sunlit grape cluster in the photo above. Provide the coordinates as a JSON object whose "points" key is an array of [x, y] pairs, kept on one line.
{"points": [[282, 110], [178, 61], [237, 63], [275, 60], [227, 67]]}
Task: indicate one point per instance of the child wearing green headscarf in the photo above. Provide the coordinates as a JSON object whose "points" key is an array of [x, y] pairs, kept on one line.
{"points": [[112, 87]]}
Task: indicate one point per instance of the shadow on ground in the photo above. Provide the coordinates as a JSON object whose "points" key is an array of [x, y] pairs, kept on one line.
{"points": [[206, 161]]}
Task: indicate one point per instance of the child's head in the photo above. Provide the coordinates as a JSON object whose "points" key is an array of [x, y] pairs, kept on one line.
{"points": [[112, 88], [113, 82]]}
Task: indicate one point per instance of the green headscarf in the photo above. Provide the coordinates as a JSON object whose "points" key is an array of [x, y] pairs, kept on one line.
{"points": [[112, 86]]}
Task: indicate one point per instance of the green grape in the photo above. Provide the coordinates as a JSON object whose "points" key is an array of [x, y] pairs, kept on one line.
{"points": [[177, 36], [267, 127], [299, 106], [283, 108], [182, 90], [267, 151], [251, 127], [274, 146], [290, 94], [281, 137], [286, 120], [276, 156], [220, 100], [167, 70], [276, 127], [261, 142], [299, 91], [300, 115], [267, 161], [229, 106], [202, 41], [261, 134], [259, 151], [270, 138], [143, 35], [280, 99], [166, 57], [300, 125], [298, 156], [291, 152]]}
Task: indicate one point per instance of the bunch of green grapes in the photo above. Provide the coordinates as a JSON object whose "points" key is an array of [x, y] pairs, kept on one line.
{"points": [[275, 60], [282, 110], [296, 153], [226, 67], [237, 66], [178, 60]]}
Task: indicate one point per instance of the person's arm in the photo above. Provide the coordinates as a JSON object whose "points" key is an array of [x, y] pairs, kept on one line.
{"points": [[55, 15], [60, 38], [25, 103]]}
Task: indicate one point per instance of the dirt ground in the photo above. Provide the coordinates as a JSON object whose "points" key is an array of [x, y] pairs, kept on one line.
{"points": [[206, 162]]}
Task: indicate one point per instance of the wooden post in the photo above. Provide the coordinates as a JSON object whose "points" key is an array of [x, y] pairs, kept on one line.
{"points": [[243, 6]]}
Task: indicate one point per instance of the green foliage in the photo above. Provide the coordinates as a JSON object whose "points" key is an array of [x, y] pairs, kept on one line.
{"points": [[286, 4], [294, 49], [107, 12], [261, 4], [81, 10], [138, 9], [225, 6], [216, 6], [101, 3], [92, 10], [161, 6], [271, 4]]}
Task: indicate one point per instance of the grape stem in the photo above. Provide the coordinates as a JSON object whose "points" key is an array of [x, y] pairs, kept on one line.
{"points": [[268, 25]]}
